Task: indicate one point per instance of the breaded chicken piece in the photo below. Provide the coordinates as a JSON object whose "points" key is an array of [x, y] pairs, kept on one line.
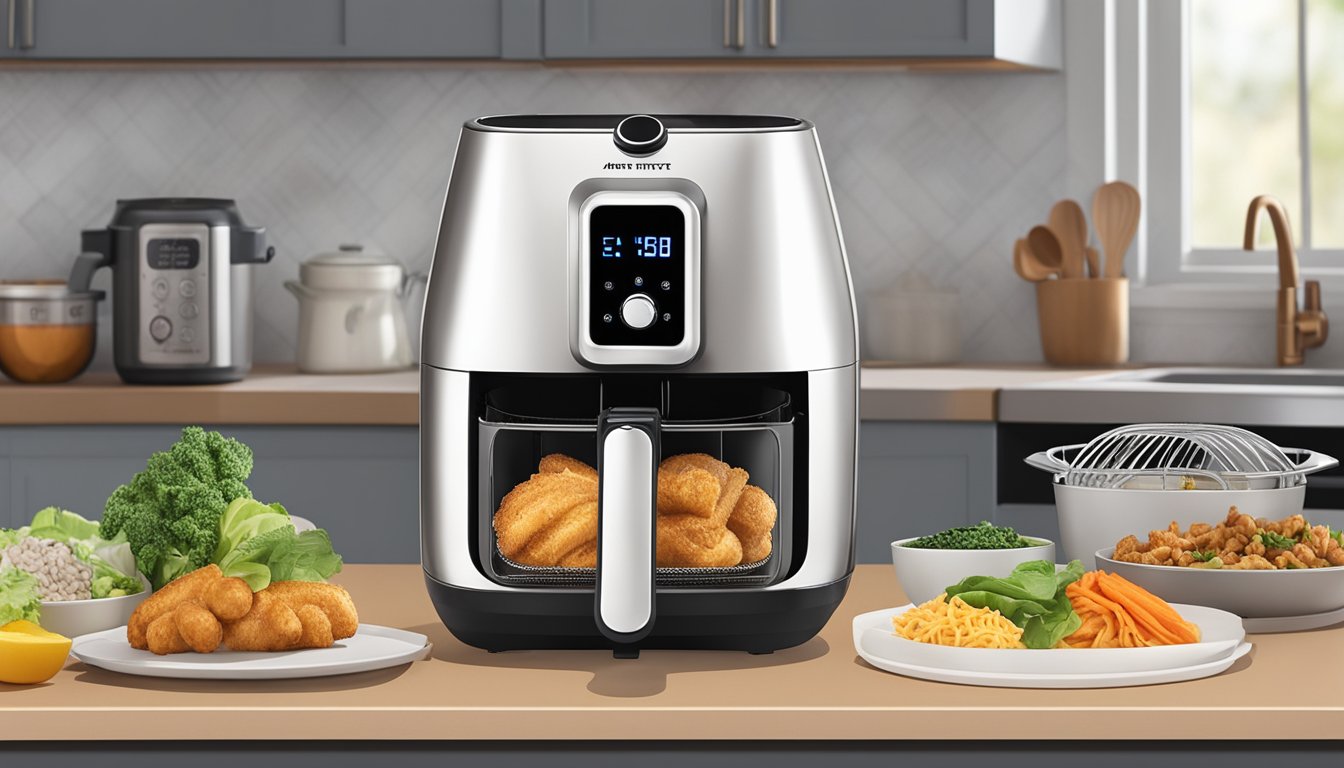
{"points": [[162, 637], [229, 599], [198, 627], [559, 462], [316, 627], [186, 587], [334, 601], [270, 625]]}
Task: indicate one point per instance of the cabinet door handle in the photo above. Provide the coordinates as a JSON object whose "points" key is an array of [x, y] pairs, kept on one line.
{"points": [[10, 13], [741, 24], [27, 41], [772, 23], [727, 23]]}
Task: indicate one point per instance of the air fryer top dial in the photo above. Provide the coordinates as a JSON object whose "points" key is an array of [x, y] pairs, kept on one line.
{"points": [[640, 135]]}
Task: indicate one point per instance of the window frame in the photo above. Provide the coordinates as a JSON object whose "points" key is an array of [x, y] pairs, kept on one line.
{"points": [[1161, 41]]}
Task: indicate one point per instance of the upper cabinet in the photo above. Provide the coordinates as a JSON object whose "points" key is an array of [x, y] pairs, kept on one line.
{"points": [[987, 33], [271, 29], [1023, 33]]}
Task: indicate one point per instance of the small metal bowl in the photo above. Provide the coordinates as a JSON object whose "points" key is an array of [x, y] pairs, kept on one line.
{"points": [[47, 331]]}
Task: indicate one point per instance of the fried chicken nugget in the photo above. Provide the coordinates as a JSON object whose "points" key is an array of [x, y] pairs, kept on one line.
{"points": [[692, 492], [682, 462], [197, 626], [536, 503], [162, 637], [228, 599], [270, 625], [186, 587], [316, 627], [752, 520], [559, 462], [334, 601], [572, 529]]}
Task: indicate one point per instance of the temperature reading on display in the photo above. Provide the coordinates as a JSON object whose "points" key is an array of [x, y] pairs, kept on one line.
{"points": [[611, 247], [653, 247]]}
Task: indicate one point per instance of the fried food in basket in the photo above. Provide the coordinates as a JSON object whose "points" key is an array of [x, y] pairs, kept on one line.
{"points": [[207, 610], [708, 516], [1240, 542]]}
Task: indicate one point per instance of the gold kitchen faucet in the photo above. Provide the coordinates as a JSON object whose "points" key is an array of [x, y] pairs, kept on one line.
{"points": [[1297, 329]]}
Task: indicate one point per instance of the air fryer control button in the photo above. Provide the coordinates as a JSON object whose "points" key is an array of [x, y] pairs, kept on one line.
{"points": [[639, 282], [187, 288], [666, 285], [638, 311], [160, 328], [160, 288], [640, 135], [188, 335], [607, 318], [189, 310], [608, 285], [667, 317]]}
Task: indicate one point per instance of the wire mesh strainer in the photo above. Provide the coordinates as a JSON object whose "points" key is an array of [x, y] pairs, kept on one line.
{"points": [[1180, 457]]}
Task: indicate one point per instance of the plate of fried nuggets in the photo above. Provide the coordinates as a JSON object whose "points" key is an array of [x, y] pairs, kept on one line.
{"points": [[203, 610], [289, 629], [708, 515]]}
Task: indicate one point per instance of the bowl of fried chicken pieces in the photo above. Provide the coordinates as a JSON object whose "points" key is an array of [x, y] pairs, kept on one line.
{"points": [[1253, 567]]}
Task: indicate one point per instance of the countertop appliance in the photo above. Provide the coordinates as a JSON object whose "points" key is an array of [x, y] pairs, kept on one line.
{"points": [[352, 314], [181, 288], [621, 290]]}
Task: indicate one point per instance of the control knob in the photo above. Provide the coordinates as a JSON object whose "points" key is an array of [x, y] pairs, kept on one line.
{"points": [[638, 311]]}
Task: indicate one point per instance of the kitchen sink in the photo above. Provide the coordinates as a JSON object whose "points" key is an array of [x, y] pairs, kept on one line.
{"points": [[1250, 378], [1241, 396]]}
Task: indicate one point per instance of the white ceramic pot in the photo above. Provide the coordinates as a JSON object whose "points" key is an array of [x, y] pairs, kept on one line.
{"points": [[352, 317]]}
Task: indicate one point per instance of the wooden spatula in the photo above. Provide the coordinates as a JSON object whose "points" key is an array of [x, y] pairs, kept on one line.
{"points": [[1069, 224], [1115, 214]]}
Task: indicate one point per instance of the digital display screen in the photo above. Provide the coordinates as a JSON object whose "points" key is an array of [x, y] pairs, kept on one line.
{"points": [[173, 253], [637, 251]]}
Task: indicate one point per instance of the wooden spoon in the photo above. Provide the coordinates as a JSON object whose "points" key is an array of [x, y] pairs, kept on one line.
{"points": [[1069, 224], [1045, 247], [1115, 213], [1027, 266], [1093, 262]]}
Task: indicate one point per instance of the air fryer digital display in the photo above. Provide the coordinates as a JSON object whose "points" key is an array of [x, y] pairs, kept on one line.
{"points": [[637, 251]]}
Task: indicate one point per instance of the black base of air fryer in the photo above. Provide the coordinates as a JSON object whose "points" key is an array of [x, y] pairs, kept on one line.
{"points": [[182, 375], [755, 621]]}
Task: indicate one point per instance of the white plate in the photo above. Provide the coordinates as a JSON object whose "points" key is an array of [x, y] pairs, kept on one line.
{"points": [[1221, 633], [1294, 623], [372, 647], [1111, 680]]}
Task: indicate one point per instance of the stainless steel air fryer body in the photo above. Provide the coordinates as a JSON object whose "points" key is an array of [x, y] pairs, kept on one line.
{"points": [[181, 285], [624, 288]]}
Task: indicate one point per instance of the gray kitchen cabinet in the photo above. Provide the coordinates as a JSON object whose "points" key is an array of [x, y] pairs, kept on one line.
{"points": [[271, 29], [919, 477], [1016, 32], [359, 483], [640, 29]]}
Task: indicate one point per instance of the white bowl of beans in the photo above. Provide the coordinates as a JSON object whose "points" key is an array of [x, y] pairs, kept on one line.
{"points": [[73, 618]]}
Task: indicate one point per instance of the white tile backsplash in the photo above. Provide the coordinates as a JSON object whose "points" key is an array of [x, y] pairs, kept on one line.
{"points": [[933, 172]]}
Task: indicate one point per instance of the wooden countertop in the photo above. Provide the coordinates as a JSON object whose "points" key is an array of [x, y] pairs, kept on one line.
{"points": [[280, 395], [269, 395], [817, 691]]}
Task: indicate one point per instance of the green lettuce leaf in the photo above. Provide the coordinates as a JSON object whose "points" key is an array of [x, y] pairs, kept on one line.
{"points": [[264, 547], [1032, 597], [18, 596]]}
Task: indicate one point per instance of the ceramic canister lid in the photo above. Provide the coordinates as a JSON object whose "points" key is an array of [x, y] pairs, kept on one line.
{"points": [[351, 269]]}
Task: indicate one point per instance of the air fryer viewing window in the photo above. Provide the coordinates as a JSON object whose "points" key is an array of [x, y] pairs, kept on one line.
{"points": [[637, 262]]}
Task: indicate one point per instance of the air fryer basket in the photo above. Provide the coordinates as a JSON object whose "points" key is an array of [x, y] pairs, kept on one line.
{"points": [[741, 423]]}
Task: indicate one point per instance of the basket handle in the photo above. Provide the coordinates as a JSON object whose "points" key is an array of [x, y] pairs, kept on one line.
{"points": [[1051, 460], [1314, 462]]}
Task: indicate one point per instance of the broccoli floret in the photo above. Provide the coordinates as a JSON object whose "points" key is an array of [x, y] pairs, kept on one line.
{"points": [[170, 511]]}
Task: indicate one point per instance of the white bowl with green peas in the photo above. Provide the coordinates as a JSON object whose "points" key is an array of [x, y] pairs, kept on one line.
{"points": [[925, 572]]}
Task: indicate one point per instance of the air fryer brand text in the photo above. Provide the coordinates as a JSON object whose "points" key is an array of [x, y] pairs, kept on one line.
{"points": [[637, 167]]}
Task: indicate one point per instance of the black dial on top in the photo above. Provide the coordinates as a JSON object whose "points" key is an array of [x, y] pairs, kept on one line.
{"points": [[640, 135]]}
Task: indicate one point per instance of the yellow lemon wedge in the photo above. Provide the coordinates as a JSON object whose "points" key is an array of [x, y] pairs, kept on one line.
{"points": [[30, 654]]}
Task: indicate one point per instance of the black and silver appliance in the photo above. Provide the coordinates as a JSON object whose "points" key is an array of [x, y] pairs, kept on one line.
{"points": [[621, 290], [181, 288]]}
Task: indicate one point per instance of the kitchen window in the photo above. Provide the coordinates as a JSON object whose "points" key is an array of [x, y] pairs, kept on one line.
{"points": [[1242, 97]]}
